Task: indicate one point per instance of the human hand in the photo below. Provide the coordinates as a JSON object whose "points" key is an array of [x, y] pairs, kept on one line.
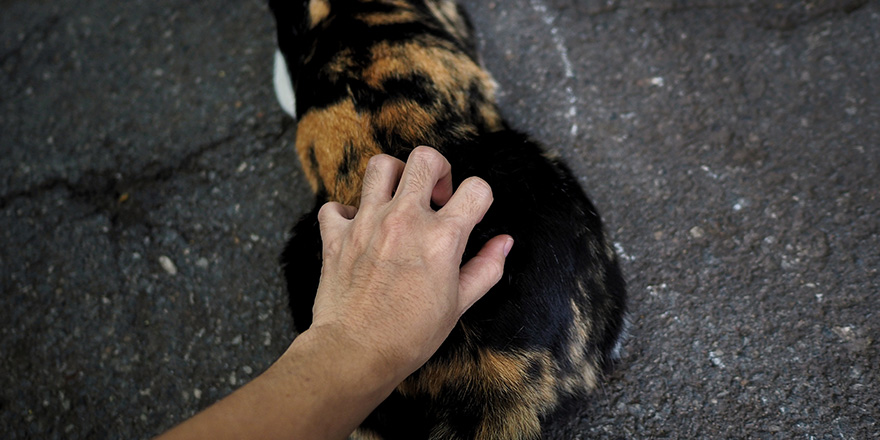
{"points": [[392, 280], [392, 288]]}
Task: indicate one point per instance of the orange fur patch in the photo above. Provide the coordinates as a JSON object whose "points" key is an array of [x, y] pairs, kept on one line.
{"points": [[385, 18], [318, 10], [450, 71], [409, 120], [322, 134], [341, 64], [502, 378], [586, 372]]}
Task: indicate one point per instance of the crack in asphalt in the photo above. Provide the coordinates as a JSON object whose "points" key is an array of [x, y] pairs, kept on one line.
{"points": [[105, 182], [786, 20], [38, 32], [106, 190]]}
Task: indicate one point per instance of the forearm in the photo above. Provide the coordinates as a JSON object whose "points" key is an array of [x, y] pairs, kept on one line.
{"points": [[321, 388]]}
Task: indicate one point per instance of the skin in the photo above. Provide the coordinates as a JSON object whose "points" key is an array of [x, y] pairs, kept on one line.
{"points": [[392, 288]]}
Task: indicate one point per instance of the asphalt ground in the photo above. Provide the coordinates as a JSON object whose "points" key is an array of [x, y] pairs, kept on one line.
{"points": [[147, 181]]}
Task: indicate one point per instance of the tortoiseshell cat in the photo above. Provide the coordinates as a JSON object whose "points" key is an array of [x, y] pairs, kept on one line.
{"points": [[385, 76]]}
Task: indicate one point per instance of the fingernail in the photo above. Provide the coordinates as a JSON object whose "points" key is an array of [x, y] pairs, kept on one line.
{"points": [[507, 246]]}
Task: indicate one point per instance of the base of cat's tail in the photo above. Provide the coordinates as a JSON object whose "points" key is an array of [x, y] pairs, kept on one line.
{"points": [[284, 86]]}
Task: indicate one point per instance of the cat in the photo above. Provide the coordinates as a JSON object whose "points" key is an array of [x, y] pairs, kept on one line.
{"points": [[364, 77]]}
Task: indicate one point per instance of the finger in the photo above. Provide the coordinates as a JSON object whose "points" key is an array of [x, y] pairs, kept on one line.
{"points": [[380, 179], [483, 271], [332, 216], [469, 203], [442, 191], [427, 175]]}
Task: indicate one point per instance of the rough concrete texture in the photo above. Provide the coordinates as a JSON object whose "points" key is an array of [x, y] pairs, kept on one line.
{"points": [[147, 180]]}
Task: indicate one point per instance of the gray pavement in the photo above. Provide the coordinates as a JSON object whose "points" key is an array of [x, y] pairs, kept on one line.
{"points": [[147, 181]]}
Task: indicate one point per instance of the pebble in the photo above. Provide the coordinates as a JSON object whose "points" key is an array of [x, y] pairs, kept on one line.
{"points": [[168, 265], [715, 357], [844, 332], [202, 263]]}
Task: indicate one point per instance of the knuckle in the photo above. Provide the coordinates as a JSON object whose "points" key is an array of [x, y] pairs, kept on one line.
{"points": [[478, 188], [425, 153], [418, 179], [448, 237], [492, 269], [376, 167], [382, 161], [327, 211], [498, 270], [428, 157]]}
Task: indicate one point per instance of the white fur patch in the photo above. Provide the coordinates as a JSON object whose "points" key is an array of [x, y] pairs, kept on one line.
{"points": [[283, 85], [623, 336]]}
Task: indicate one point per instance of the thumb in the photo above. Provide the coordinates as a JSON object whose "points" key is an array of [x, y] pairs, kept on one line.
{"points": [[483, 271]]}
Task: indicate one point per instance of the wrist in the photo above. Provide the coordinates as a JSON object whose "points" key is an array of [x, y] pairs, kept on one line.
{"points": [[347, 362]]}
